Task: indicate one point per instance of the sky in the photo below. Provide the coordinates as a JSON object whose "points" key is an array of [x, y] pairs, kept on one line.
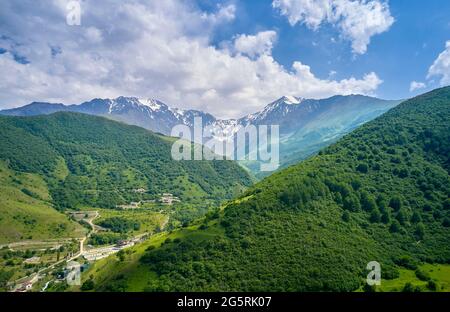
{"points": [[227, 57]]}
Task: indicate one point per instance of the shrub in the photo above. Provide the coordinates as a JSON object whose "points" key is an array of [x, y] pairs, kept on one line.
{"points": [[411, 288], [423, 276], [406, 262], [389, 272], [431, 285], [88, 285], [363, 168]]}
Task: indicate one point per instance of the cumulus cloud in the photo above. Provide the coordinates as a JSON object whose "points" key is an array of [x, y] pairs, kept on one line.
{"points": [[357, 20], [159, 49], [415, 85], [441, 66], [261, 43]]}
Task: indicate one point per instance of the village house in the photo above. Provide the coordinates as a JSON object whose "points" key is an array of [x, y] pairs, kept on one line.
{"points": [[132, 205], [32, 260], [168, 199]]}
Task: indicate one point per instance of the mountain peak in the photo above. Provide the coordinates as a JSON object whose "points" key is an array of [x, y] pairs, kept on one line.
{"points": [[131, 99], [289, 99], [153, 104]]}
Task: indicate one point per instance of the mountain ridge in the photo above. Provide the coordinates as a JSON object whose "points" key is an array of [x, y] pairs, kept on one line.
{"points": [[381, 193], [305, 125], [103, 106]]}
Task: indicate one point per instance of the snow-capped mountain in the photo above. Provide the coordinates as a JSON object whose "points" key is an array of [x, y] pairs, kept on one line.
{"points": [[273, 112], [305, 125], [147, 113]]}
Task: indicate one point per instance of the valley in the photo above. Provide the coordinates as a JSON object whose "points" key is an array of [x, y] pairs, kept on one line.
{"points": [[381, 193], [77, 185], [136, 220]]}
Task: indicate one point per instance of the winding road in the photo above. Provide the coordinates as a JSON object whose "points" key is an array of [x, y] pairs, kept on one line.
{"points": [[78, 254]]}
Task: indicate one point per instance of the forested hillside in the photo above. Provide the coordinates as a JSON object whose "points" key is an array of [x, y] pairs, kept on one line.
{"points": [[88, 161], [381, 193]]}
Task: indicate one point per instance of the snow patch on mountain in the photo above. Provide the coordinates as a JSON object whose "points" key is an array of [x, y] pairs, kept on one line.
{"points": [[291, 100], [153, 104]]}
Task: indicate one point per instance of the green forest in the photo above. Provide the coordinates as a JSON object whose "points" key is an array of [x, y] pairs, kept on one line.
{"points": [[76, 161], [381, 193]]}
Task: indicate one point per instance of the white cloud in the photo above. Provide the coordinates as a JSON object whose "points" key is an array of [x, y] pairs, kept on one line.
{"points": [[225, 14], [416, 86], [357, 20], [441, 66], [261, 43], [159, 49], [310, 12]]}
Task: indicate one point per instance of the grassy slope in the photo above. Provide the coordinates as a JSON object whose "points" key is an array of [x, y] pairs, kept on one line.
{"points": [[148, 220], [111, 272], [25, 217], [438, 272], [74, 160], [316, 225]]}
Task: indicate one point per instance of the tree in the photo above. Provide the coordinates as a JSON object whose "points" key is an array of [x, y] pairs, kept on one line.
{"points": [[431, 285], [88, 285], [446, 204], [416, 218], [408, 287], [401, 217], [411, 288], [420, 231], [4, 278], [423, 276], [121, 255], [446, 222], [395, 227], [369, 288], [368, 202], [352, 203], [395, 203], [363, 168], [375, 216], [382, 205], [356, 184], [386, 217], [346, 216]]}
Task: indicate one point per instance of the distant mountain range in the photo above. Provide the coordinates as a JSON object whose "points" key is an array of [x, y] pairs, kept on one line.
{"points": [[149, 114], [379, 194], [306, 125]]}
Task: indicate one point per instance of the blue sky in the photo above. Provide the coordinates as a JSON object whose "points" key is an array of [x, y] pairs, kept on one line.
{"points": [[227, 57], [400, 55]]}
